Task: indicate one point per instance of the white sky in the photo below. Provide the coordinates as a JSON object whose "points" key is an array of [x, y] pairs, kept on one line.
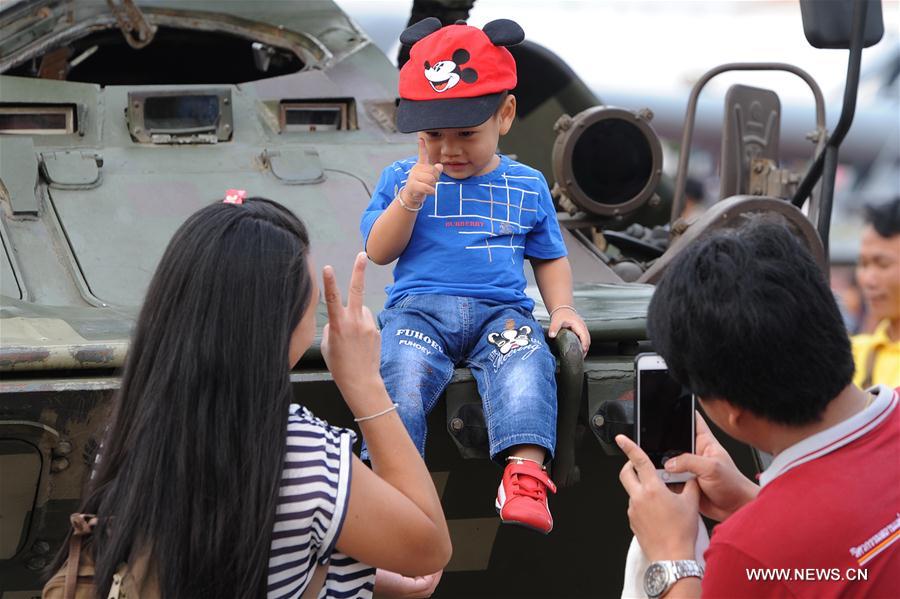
{"points": [[655, 46]]}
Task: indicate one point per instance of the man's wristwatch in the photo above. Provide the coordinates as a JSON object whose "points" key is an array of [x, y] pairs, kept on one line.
{"points": [[660, 576]]}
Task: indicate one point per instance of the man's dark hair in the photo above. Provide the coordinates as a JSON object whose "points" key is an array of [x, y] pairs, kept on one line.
{"points": [[884, 217], [190, 467], [746, 315]]}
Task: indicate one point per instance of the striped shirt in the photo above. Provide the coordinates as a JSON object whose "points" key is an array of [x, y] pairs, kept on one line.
{"points": [[312, 504]]}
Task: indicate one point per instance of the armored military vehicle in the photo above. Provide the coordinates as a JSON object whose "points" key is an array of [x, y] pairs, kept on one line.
{"points": [[118, 119]]}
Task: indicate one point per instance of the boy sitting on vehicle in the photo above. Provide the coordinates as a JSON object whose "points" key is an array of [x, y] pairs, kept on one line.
{"points": [[461, 219]]}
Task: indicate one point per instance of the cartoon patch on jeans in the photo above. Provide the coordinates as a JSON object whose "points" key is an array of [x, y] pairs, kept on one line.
{"points": [[511, 338], [510, 341]]}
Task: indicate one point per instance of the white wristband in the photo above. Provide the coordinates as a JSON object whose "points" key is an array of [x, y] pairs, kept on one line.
{"points": [[572, 308], [403, 204]]}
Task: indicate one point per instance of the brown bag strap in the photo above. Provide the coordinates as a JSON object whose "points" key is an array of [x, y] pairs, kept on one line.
{"points": [[82, 526]]}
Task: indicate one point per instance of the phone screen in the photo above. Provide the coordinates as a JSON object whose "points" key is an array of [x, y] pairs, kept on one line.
{"points": [[666, 416]]}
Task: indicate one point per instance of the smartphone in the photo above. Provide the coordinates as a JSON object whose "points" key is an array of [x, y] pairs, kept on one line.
{"points": [[664, 415]]}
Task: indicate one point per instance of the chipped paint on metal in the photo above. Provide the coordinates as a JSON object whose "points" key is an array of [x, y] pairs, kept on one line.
{"points": [[51, 343], [92, 356], [27, 357]]}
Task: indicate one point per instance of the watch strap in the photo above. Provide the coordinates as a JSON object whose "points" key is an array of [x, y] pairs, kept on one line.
{"points": [[687, 567], [675, 570]]}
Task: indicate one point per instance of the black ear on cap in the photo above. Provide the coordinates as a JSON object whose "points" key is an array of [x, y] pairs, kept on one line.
{"points": [[423, 28], [504, 32]]}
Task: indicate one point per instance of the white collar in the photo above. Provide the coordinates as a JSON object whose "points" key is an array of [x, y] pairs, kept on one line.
{"points": [[840, 434]]}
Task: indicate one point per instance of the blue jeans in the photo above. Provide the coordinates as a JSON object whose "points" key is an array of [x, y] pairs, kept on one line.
{"points": [[423, 337]]}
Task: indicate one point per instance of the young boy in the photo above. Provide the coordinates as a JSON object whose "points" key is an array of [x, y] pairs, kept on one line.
{"points": [[462, 219]]}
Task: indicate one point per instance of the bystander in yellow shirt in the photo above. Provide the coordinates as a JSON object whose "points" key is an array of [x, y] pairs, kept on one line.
{"points": [[877, 358]]}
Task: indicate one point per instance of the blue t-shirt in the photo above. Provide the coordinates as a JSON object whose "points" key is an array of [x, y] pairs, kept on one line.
{"points": [[471, 238]]}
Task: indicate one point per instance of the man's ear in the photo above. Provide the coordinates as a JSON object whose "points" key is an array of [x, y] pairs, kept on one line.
{"points": [[507, 113], [734, 415], [718, 411]]}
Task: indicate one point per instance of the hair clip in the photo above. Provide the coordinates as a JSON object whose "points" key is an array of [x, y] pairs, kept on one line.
{"points": [[235, 196]]}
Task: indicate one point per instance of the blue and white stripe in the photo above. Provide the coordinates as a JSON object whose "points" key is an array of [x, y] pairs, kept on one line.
{"points": [[315, 487]]}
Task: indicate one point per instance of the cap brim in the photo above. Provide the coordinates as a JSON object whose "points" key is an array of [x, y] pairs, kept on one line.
{"points": [[452, 113]]}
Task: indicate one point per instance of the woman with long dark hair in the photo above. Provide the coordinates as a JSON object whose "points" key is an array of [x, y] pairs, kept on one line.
{"points": [[209, 474]]}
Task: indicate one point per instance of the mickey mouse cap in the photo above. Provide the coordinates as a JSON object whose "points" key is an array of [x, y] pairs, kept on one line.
{"points": [[456, 75]]}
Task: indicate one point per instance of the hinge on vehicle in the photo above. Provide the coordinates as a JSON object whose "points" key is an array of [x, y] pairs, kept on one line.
{"points": [[766, 179], [134, 25], [71, 169]]}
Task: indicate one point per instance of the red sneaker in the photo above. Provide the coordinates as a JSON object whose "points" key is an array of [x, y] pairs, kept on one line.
{"points": [[522, 496]]}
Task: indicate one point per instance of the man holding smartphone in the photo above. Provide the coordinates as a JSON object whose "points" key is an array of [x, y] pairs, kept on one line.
{"points": [[745, 319]]}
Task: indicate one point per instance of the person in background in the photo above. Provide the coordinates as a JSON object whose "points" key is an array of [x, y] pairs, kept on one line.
{"points": [[694, 198], [877, 355], [849, 296]]}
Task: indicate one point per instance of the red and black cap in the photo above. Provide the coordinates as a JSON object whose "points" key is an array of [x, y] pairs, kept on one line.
{"points": [[456, 75]]}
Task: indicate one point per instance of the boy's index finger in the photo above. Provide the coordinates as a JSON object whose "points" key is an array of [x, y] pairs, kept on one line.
{"points": [[423, 155]]}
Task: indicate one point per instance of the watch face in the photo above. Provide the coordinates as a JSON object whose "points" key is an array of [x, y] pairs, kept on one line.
{"points": [[655, 580]]}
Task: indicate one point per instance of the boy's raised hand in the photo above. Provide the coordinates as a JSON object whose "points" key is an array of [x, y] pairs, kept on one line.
{"points": [[421, 180]]}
